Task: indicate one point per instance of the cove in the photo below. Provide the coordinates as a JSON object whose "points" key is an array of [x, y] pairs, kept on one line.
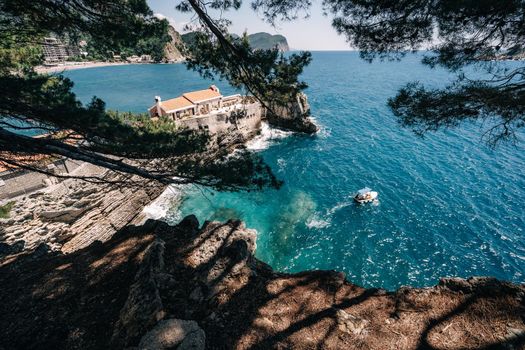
{"points": [[448, 204]]}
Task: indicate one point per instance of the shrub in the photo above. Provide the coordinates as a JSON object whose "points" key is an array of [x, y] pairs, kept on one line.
{"points": [[6, 209]]}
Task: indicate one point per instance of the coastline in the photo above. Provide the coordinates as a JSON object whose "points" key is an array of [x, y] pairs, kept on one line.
{"points": [[157, 286], [148, 279], [76, 65], [84, 65], [166, 207]]}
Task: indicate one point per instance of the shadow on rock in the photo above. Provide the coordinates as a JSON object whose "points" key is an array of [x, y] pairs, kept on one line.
{"points": [[191, 287]]}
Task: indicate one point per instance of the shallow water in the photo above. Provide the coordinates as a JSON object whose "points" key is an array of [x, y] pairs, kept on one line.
{"points": [[448, 205]]}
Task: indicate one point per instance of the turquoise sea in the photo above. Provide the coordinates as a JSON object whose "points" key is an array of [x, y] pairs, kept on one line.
{"points": [[448, 204]]}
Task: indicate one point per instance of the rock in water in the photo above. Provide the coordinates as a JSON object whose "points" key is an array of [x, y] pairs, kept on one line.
{"points": [[294, 116], [266, 41]]}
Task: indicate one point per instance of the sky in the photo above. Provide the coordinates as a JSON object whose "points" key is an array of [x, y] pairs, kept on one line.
{"points": [[314, 33]]}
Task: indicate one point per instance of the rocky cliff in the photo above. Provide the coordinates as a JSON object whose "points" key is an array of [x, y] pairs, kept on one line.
{"points": [[190, 287], [171, 50], [73, 214], [294, 116]]}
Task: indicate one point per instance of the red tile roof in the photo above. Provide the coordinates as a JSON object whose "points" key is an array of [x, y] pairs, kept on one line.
{"points": [[203, 95], [175, 104], [189, 99]]}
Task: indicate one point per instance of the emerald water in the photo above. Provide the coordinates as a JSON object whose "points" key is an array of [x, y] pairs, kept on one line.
{"points": [[448, 205]]}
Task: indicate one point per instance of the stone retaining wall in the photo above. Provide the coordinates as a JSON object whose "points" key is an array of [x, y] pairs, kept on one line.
{"points": [[222, 122], [18, 182]]}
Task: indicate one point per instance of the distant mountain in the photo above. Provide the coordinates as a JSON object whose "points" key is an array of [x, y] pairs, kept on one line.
{"points": [[265, 41], [258, 41]]}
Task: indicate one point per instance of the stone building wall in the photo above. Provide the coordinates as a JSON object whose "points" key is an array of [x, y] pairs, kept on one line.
{"points": [[215, 124]]}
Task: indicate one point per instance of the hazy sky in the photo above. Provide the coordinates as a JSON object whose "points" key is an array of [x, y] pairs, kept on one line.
{"points": [[313, 33]]}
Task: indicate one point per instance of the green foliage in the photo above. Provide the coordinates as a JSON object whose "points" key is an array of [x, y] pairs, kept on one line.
{"points": [[460, 33], [127, 143], [152, 44], [108, 23], [19, 56], [190, 38], [428, 110], [6, 209], [282, 10], [266, 74]]}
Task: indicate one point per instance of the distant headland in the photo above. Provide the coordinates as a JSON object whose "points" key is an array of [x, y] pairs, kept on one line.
{"points": [[61, 55]]}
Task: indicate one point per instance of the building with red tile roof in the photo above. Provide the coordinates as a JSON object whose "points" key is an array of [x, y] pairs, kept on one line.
{"points": [[190, 104]]}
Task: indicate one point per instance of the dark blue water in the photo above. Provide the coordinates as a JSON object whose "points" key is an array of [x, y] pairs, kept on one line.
{"points": [[448, 205]]}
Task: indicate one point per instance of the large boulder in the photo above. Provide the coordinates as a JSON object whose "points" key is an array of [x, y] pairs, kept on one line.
{"points": [[174, 334], [295, 115]]}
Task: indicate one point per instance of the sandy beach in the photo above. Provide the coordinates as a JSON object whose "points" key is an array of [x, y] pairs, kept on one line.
{"points": [[76, 65]]}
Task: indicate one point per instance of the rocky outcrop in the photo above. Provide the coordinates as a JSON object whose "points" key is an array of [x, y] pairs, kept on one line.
{"points": [[293, 116], [73, 214], [174, 334], [182, 287], [171, 50]]}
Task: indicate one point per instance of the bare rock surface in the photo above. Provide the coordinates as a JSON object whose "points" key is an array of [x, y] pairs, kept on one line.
{"points": [[173, 333], [72, 214], [294, 116], [190, 287], [171, 50]]}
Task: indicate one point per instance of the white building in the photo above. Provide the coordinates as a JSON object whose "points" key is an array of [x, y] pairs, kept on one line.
{"points": [[55, 51], [194, 103], [210, 110]]}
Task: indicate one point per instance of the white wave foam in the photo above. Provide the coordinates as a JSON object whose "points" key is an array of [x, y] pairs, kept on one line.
{"points": [[337, 207], [322, 221], [267, 136], [281, 163], [158, 209], [316, 222]]}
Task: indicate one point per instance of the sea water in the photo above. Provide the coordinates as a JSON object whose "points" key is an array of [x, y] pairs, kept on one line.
{"points": [[448, 204]]}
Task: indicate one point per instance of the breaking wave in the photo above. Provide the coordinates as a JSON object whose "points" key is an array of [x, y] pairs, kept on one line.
{"points": [[159, 208], [266, 138]]}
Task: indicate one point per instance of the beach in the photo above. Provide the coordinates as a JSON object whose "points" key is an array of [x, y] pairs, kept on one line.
{"points": [[76, 65]]}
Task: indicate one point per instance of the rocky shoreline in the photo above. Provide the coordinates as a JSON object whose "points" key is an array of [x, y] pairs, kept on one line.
{"points": [[189, 287], [73, 214], [81, 268]]}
